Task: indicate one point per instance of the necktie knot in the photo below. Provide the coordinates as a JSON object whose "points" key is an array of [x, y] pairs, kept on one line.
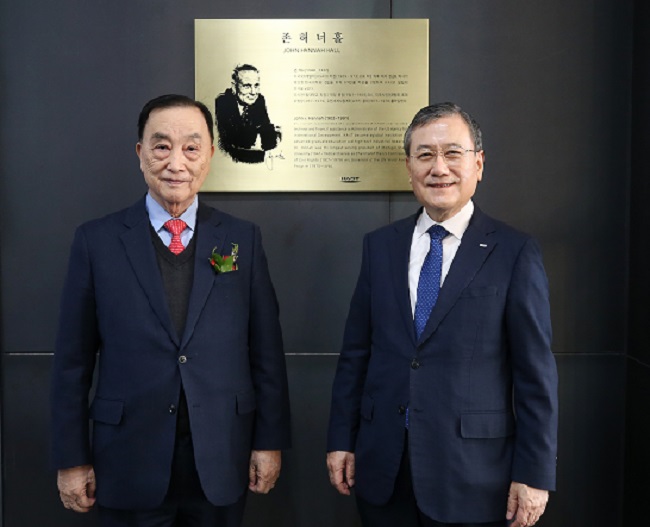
{"points": [[175, 227], [437, 232]]}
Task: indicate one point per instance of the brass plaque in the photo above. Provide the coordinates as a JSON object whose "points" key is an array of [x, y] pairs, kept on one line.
{"points": [[311, 105]]}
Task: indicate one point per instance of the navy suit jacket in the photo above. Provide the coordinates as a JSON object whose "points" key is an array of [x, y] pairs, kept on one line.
{"points": [[480, 382], [229, 360]]}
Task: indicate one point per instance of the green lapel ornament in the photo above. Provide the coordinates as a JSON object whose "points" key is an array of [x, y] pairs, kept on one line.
{"points": [[225, 264]]}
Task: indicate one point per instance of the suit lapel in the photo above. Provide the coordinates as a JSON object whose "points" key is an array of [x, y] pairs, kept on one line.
{"points": [[400, 250], [211, 233], [141, 255], [474, 249]]}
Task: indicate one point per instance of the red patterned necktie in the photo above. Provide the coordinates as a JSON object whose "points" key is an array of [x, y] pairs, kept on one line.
{"points": [[176, 227]]}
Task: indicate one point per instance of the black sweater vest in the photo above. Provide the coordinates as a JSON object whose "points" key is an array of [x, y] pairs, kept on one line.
{"points": [[177, 272]]}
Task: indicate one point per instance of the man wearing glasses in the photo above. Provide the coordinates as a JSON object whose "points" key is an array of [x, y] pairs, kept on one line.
{"points": [[245, 130], [444, 404]]}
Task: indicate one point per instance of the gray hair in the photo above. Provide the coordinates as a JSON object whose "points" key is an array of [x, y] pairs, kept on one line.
{"points": [[436, 111]]}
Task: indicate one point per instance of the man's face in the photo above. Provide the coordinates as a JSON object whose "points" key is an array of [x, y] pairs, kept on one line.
{"points": [[247, 87], [175, 155], [442, 189]]}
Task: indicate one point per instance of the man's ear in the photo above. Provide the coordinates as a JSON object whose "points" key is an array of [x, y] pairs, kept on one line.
{"points": [[480, 163], [138, 151], [407, 161]]}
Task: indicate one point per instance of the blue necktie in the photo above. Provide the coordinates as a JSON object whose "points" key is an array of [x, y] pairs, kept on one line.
{"points": [[429, 283]]}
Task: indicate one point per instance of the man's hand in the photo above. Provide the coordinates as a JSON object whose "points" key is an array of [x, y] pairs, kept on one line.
{"points": [[340, 466], [525, 504], [77, 487], [264, 470]]}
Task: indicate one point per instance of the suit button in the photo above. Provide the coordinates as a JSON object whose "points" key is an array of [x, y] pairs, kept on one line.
{"points": [[401, 410], [182, 359], [172, 409], [415, 364]]}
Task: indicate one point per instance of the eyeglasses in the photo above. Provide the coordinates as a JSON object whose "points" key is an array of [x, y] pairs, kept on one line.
{"points": [[451, 157]]}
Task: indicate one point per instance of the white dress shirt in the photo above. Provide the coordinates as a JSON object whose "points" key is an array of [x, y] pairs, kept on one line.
{"points": [[421, 243]]}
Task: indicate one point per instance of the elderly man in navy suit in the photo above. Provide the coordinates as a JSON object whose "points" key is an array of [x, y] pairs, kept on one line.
{"points": [[191, 403], [444, 404]]}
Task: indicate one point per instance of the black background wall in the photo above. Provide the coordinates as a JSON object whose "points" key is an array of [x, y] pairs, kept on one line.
{"points": [[551, 84], [637, 453]]}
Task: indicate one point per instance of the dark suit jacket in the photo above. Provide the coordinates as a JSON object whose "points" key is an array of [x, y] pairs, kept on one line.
{"points": [[237, 134], [481, 381], [229, 360]]}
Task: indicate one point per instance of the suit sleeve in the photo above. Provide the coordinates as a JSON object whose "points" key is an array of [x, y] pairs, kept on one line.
{"points": [[267, 362], [74, 361], [534, 371], [352, 365], [225, 123]]}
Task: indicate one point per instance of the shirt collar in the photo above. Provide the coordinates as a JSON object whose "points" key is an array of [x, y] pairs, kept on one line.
{"points": [[158, 215], [456, 225]]}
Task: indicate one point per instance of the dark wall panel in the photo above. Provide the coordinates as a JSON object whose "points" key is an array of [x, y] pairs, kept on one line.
{"points": [[591, 442], [313, 244], [548, 81], [637, 439], [314, 500], [637, 453], [30, 497]]}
